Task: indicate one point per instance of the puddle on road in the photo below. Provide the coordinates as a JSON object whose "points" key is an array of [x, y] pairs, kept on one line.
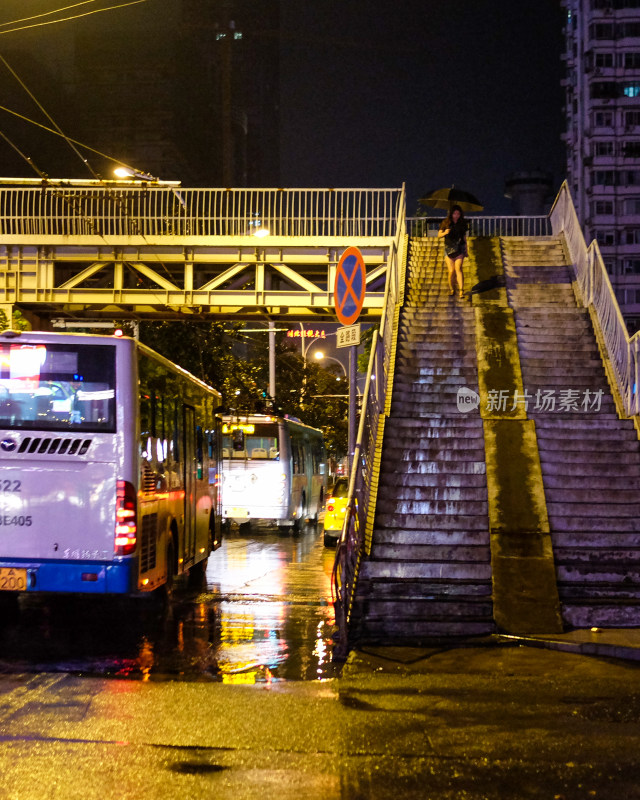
{"points": [[265, 615]]}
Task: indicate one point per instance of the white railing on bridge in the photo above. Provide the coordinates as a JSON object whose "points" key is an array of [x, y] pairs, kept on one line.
{"points": [[151, 211], [485, 226], [595, 285]]}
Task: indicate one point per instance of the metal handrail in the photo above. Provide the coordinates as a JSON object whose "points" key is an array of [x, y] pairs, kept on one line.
{"points": [[362, 484], [147, 210], [486, 226], [597, 291]]}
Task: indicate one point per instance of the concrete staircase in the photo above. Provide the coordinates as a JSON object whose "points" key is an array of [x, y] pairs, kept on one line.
{"points": [[561, 517], [429, 574], [590, 457]]}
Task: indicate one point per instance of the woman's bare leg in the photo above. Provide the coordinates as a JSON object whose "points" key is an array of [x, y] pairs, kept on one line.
{"points": [[459, 276], [451, 275]]}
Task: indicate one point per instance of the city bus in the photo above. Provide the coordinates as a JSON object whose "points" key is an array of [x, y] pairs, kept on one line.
{"points": [[109, 464], [274, 470]]}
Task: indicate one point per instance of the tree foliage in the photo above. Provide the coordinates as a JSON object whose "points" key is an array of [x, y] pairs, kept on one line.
{"points": [[235, 364], [366, 340], [18, 323]]}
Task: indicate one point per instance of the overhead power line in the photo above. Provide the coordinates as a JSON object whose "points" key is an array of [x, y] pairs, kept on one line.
{"points": [[27, 158], [68, 138], [48, 116], [46, 13], [74, 16]]}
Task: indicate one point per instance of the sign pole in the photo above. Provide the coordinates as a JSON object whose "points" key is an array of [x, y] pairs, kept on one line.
{"points": [[353, 400], [272, 359]]}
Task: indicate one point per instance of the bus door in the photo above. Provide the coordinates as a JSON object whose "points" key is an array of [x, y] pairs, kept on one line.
{"points": [[190, 467]]}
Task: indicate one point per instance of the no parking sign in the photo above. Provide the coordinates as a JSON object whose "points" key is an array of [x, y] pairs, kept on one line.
{"points": [[350, 286]]}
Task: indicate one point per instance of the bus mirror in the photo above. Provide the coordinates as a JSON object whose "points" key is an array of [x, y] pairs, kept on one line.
{"points": [[238, 439]]}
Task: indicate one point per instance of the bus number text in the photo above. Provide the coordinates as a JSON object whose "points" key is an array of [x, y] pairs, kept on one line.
{"points": [[10, 486], [8, 520]]}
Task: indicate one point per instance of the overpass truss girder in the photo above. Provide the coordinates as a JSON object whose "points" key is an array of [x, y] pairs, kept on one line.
{"points": [[165, 279]]}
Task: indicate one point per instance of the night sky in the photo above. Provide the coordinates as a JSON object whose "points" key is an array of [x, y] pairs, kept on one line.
{"points": [[375, 93]]}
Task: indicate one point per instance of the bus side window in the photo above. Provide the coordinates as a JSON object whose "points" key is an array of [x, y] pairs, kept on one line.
{"points": [[176, 433], [199, 450], [153, 411]]}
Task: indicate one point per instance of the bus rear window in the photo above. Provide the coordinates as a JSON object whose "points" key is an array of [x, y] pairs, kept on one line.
{"points": [[58, 387], [260, 441]]}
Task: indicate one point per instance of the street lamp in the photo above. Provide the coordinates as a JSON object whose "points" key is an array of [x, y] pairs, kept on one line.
{"points": [[136, 175], [321, 357]]}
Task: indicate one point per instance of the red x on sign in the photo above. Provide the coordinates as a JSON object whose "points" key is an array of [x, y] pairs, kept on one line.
{"points": [[350, 286]]}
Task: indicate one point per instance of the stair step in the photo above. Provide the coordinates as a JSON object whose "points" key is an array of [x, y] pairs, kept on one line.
{"points": [[589, 523], [416, 569], [604, 615], [432, 480], [435, 450], [611, 512], [593, 494], [427, 367], [427, 609], [447, 508], [428, 432], [609, 573], [560, 470], [414, 447], [562, 424], [435, 537], [419, 522], [406, 376], [404, 589], [589, 444], [595, 458], [423, 408], [395, 632], [452, 422], [600, 556], [452, 554]]}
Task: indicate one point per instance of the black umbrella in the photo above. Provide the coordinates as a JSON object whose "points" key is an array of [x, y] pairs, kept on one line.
{"points": [[447, 197]]}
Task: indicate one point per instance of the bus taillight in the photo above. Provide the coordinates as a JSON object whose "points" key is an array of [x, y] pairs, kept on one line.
{"points": [[126, 526]]}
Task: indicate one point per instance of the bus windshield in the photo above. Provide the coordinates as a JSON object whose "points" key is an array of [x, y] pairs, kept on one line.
{"points": [[58, 387], [260, 441]]}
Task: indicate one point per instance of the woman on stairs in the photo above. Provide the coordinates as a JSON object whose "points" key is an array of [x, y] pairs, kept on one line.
{"points": [[454, 230]]}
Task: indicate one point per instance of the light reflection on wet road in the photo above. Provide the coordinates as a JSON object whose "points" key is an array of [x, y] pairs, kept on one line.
{"points": [[265, 615]]}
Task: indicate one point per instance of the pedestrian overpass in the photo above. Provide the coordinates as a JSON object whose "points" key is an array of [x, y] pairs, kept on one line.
{"points": [[117, 249]]}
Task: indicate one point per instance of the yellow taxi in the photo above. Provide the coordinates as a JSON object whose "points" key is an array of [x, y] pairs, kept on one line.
{"points": [[334, 511]]}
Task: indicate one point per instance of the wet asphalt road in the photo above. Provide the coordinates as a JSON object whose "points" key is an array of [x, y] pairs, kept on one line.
{"points": [[264, 616]]}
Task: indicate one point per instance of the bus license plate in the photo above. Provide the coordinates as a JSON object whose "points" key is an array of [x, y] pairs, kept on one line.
{"points": [[13, 580], [238, 512]]}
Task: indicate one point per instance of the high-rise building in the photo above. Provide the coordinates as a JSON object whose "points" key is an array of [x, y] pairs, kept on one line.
{"points": [[603, 135]]}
